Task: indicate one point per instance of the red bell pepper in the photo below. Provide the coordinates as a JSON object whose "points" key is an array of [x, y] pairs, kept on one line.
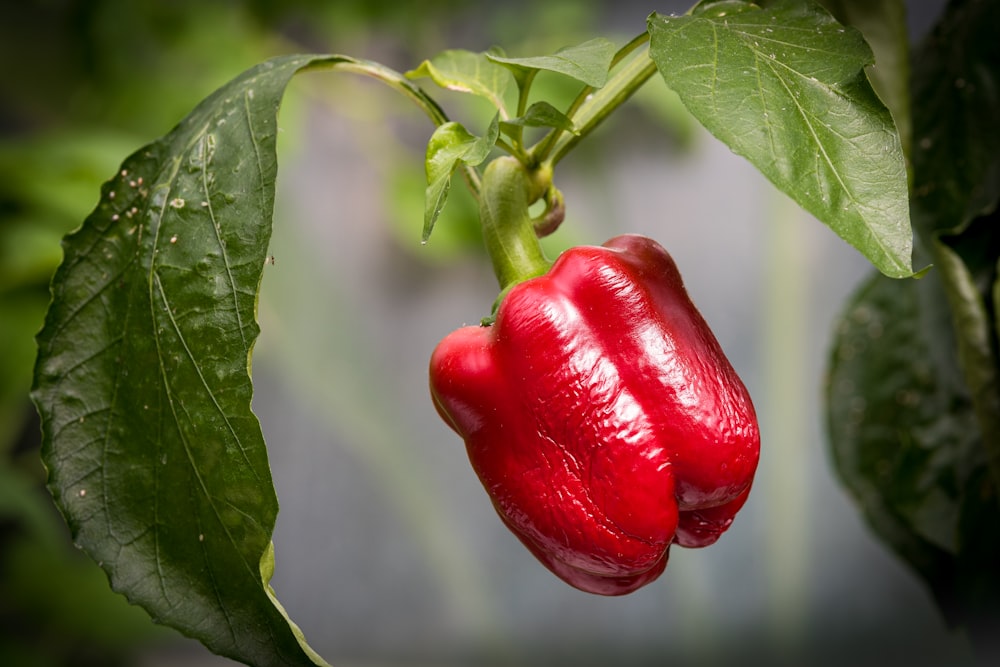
{"points": [[601, 415]]}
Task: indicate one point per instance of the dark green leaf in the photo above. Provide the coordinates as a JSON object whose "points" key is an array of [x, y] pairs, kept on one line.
{"points": [[904, 434], [542, 114], [450, 146], [967, 264], [142, 378], [956, 186], [467, 72], [588, 63], [785, 87], [956, 104]]}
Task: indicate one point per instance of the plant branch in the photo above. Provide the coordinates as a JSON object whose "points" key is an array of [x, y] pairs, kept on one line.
{"points": [[592, 105]]}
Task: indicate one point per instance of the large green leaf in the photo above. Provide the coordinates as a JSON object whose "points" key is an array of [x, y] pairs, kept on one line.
{"points": [[785, 87], [142, 378], [906, 442], [956, 188], [894, 408]]}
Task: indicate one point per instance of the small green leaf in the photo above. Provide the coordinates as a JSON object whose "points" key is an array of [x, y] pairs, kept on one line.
{"points": [[142, 377], [785, 87], [467, 72], [588, 63], [450, 146], [542, 114]]}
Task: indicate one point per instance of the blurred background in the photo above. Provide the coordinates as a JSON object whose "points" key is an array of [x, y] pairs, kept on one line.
{"points": [[388, 551]]}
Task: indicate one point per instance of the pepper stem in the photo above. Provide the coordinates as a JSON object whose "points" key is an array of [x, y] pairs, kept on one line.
{"points": [[508, 189]]}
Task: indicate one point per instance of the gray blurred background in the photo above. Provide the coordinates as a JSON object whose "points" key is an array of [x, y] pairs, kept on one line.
{"points": [[388, 551]]}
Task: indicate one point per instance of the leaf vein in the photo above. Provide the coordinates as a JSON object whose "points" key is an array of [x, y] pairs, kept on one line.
{"points": [[198, 370], [188, 450]]}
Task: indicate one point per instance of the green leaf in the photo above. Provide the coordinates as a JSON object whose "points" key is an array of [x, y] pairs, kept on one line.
{"points": [[467, 72], [542, 114], [143, 382], [451, 145], [785, 87], [904, 434], [967, 263], [588, 63], [956, 104], [956, 188]]}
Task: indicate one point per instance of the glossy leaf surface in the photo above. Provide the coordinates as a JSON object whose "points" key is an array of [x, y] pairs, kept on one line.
{"points": [[143, 384]]}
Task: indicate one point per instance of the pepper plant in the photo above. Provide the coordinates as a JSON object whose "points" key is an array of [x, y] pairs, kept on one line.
{"points": [[143, 382]]}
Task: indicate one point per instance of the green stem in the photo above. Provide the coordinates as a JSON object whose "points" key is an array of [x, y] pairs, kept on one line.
{"points": [[977, 356], [524, 86], [514, 148], [616, 92], [592, 106], [508, 230]]}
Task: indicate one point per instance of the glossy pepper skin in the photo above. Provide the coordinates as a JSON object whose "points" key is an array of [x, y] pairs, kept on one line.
{"points": [[601, 415]]}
